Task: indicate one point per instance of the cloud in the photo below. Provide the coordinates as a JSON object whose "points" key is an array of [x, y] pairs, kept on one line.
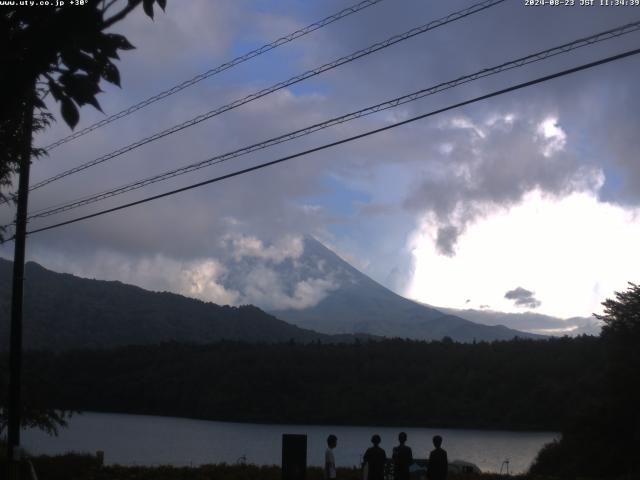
{"points": [[201, 280], [276, 275], [263, 286], [249, 246], [239, 270], [552, 134], [442, 175], [446, 239], [494, 170], [548, 244], [523, 298]]}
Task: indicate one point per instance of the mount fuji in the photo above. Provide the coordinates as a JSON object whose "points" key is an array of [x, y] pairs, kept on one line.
{"points": [[350, 302]]}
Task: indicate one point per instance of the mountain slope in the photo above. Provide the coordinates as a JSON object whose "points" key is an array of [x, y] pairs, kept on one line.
{"points": [[63, 311], [359, 304]]}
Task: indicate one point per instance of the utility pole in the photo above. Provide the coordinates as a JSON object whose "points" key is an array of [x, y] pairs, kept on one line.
{"points": [[15, 348]]}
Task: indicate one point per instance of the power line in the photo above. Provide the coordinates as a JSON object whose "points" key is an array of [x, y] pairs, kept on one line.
{"points": [[345, 140], [532, 58], [214, 71], [452, 17]]}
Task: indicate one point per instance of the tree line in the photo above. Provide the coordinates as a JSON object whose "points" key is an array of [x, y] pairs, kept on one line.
{"points": [[519, 384]]}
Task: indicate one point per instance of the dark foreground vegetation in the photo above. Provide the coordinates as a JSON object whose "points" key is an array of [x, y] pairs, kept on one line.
{"points": [[602, 436], [587, 387], [521, 384], [85, 467]]}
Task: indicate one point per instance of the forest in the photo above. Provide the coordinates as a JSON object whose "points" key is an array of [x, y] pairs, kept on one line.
{"points": [[519, 384]]}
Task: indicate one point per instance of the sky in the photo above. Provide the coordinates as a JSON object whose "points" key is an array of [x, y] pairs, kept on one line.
{"points": [[529, 201]]}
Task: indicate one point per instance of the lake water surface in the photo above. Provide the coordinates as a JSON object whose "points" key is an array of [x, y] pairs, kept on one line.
{"points": [[147, 440]]}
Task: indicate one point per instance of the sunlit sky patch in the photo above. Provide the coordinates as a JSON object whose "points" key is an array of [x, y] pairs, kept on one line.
{"points": [[568, 251]]}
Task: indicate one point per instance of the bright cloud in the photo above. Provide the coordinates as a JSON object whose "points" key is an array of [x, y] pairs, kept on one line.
{"points": [[267, 288], [201, 280], [574, 252], [250, 246], [554, 138]]}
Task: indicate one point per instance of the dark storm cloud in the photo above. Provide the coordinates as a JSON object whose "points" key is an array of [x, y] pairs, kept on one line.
{"points": [[446, 239], [595, 102], [523, 298], [492, 166]]}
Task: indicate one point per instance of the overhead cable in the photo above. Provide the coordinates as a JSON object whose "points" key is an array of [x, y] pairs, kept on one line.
{"points": [[532, 58], [214, 71], [452, 17], [343, 141]]}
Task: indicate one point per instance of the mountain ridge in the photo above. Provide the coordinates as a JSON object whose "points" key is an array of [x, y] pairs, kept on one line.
{"points": [[62, 311], [532, 322]]}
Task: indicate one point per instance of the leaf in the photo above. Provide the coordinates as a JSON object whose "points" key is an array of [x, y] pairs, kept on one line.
{"points": [[108, 50], [110, 43], [147, 5], [79, 85], [56, 90], [162, 4], [94, 102], [76, 60], [82, 88], [38, 103], [69, 112], [111, 74], [119, 41]]}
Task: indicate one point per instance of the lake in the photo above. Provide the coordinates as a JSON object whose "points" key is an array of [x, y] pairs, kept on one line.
{"points": [[148, 440]]}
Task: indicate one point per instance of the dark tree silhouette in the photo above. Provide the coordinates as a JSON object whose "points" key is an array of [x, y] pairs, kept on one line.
{"points": [[603, 440], [64, 51], [622, 316], [621, 337]]}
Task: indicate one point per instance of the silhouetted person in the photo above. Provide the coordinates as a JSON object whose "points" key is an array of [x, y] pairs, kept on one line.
{"points": [[438, 462], [375, 458], [402, 458], [329, 459]]}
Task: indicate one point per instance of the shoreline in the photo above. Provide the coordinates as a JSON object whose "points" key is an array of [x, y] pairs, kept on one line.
{"points": [[89, 467], [522, 429], [147, 440]]}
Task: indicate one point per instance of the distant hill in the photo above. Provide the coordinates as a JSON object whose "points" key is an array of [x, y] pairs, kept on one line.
{"points": [[530, 321], [359, 304], [63, 311]]}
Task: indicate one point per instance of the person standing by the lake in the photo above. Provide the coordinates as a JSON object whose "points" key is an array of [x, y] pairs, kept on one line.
{"points": [[402, 458], [329, 458], [438, 461], [374, 460]]}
